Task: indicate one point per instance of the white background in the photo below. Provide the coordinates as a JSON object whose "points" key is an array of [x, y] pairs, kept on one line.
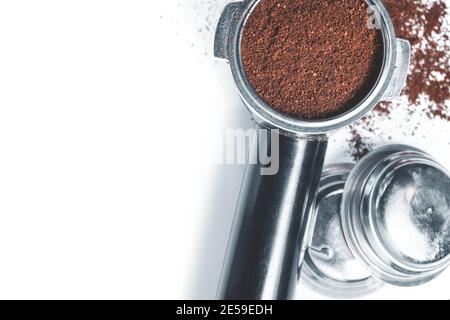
{"points": [[110, 115]]}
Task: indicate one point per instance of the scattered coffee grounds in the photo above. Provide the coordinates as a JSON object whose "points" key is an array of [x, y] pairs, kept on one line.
{"points": [[311, 59], [422, 22], [359, 147]]}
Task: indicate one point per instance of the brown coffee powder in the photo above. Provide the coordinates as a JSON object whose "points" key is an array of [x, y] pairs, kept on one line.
{"points": [[421, 22], [425, 24], [311, 59]]}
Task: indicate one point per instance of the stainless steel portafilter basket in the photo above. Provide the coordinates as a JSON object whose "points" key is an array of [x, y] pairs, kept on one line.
{"points": [[269, 236], [329, 267], [384, 220], [395, 215]]}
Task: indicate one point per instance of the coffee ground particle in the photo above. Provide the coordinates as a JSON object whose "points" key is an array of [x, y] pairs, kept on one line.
{"points": [[359, 147], [311, 59], [422, 23]]}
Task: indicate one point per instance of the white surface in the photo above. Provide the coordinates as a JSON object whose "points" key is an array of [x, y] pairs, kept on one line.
{"points": [[109, 115]]}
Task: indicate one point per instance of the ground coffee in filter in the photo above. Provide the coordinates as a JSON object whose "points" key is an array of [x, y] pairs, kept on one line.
{"points": [[311, 59]]}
